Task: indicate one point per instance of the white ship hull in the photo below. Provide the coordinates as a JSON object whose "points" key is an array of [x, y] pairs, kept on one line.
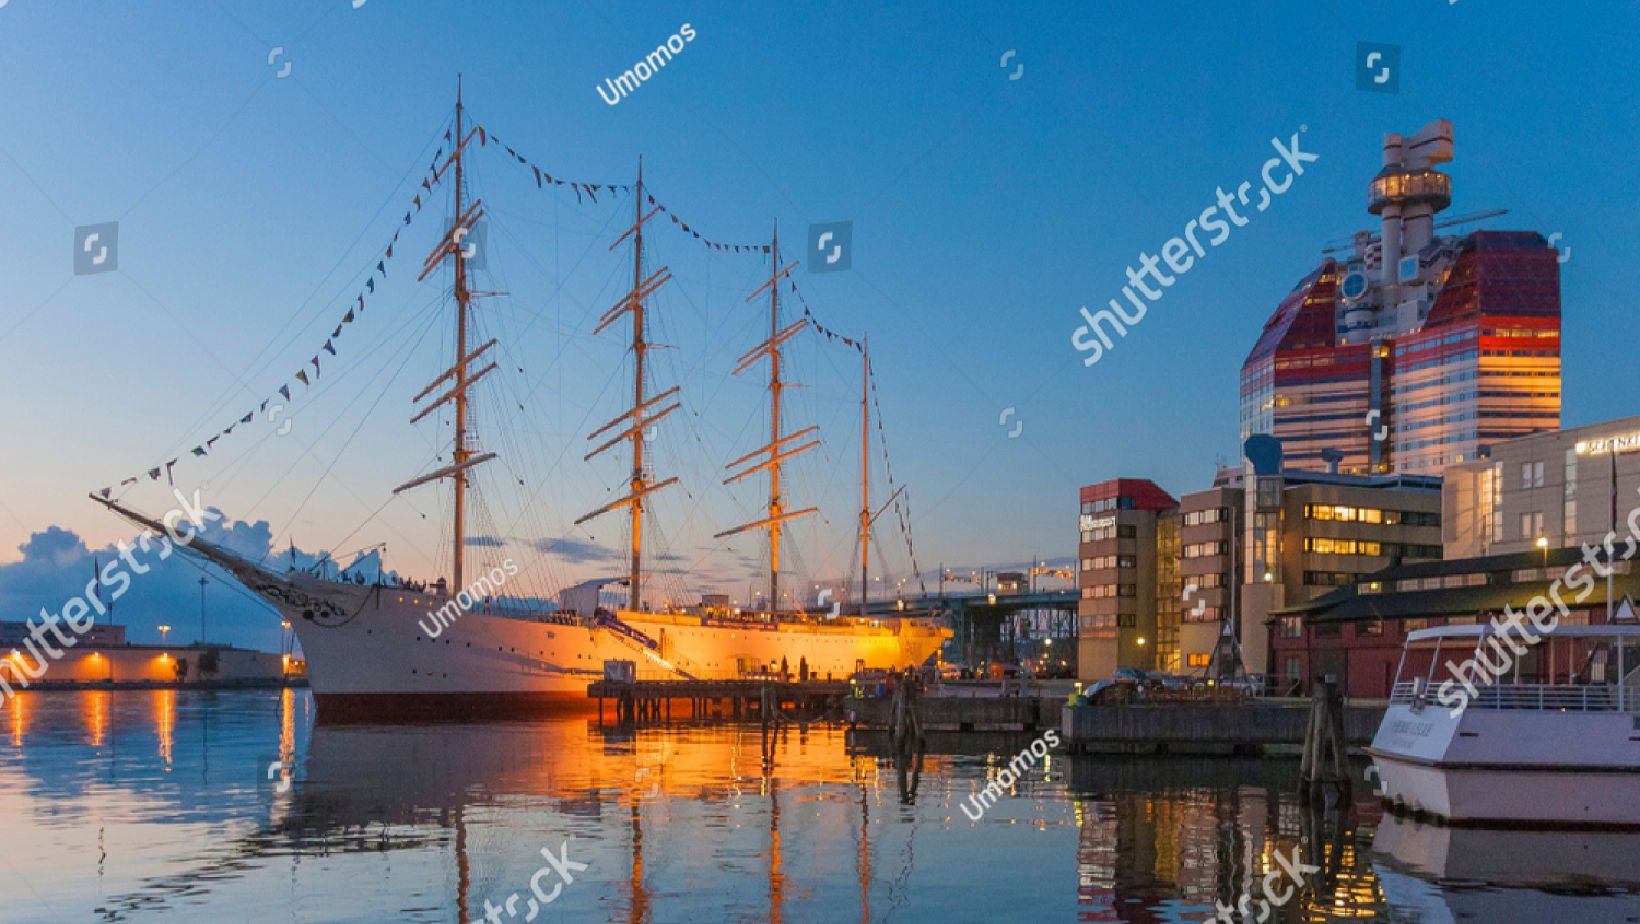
{"points": [[1517, 766], [369, 651]]}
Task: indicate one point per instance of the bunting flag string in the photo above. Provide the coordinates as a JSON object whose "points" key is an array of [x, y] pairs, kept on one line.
{"points": [[302, 375], [825, 331], [584, 191], [902, 514]]}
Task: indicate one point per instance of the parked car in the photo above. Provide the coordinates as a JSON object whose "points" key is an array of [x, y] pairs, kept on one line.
{"points": [[1131, 675]]}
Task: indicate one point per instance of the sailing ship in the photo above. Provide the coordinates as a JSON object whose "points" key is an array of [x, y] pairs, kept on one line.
{"points": [[369, 650]]}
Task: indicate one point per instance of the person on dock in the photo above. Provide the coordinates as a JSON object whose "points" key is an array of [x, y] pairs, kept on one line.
{"points": [[785, 670], [803, 669]]}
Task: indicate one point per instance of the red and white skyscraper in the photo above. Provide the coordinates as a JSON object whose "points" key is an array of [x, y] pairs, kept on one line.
{"points": [[1414, 350]]}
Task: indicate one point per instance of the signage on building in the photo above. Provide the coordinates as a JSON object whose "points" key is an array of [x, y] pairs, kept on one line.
{"points": [[1091, 522], [1628, 442]]}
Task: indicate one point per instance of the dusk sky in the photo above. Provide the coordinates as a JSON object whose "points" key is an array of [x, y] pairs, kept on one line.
{"points": [[985, 211]]}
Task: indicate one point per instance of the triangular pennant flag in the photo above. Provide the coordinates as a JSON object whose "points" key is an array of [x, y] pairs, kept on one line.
{"points": [[371, 285], [537, 175], [425, 185], [329, 348], [153, 473], [229, 429], [284, 390], [675, 220], [264, 406], [765, 248], [337, 332], [446, 136], [212, 440], [248, 416], [697, 235], [361, 304], [417, 201], [481, 136], [589, 190], [390, 248], [131, 480], [406, 217], [348, 318], [381, 267], [315, 361], [106, 493], [197, 450], [301, 376], [168, 479]]}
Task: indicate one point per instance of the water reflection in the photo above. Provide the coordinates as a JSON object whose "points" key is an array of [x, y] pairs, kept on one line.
{"points": [[129, 806]]}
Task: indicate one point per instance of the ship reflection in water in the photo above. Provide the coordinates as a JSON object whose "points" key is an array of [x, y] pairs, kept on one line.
{"points": [[232, 806]]}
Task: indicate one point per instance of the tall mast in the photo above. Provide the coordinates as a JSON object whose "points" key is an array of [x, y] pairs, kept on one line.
{"points": [[462, 458], [774, 434], [459, 454], [635, 582], [771, 348], [638, 482], [865, 469]]}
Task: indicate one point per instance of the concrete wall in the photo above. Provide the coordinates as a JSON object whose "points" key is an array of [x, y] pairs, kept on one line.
{"points": [[1249, 729]]}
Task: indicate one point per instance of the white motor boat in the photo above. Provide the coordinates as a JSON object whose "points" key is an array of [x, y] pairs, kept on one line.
{"points": [[1488, 728]]}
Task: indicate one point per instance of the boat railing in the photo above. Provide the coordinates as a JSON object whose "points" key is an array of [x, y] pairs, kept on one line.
{"points": [[1538, 697]]}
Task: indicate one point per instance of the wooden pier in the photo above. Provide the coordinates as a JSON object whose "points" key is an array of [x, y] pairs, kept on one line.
{"points": [[651, 700]]}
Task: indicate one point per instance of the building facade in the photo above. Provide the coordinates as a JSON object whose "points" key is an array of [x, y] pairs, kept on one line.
{"points": [[1549, 490], [1409, 351], [1190, 586], [1120, 524]]}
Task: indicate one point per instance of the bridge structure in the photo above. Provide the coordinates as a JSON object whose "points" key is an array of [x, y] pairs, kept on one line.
{"points": [[977, 619]]}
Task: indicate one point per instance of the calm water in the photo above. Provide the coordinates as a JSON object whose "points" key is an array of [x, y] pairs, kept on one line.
{"points": [[139, 806]]}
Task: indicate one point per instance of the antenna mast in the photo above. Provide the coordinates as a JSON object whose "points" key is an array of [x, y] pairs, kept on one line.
{"points": [[771, 348], [638, 482], [865, 469]]}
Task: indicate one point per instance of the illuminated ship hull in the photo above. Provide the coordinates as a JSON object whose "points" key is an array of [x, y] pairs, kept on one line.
{"points": [[369, 651]]}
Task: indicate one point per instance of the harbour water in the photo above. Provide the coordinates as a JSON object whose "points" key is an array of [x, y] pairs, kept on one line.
{"points": [[232, 806]]}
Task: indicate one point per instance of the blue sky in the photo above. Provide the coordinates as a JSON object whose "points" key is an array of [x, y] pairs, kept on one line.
{"points": [[985, 211]]}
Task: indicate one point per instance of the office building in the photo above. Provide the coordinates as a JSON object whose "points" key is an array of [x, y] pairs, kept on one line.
{"points": [[1406, 350]]}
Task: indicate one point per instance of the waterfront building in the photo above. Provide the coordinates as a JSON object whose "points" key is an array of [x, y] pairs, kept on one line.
{"points": [[1408, 351], [1512, 522], [1188, 586], [1557, 489], [1355, 633], [1117, 619], [102, 655]]}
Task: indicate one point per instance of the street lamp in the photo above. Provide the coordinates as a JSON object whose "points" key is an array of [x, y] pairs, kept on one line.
{"points": [[1543, 543], [162, 631]]}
